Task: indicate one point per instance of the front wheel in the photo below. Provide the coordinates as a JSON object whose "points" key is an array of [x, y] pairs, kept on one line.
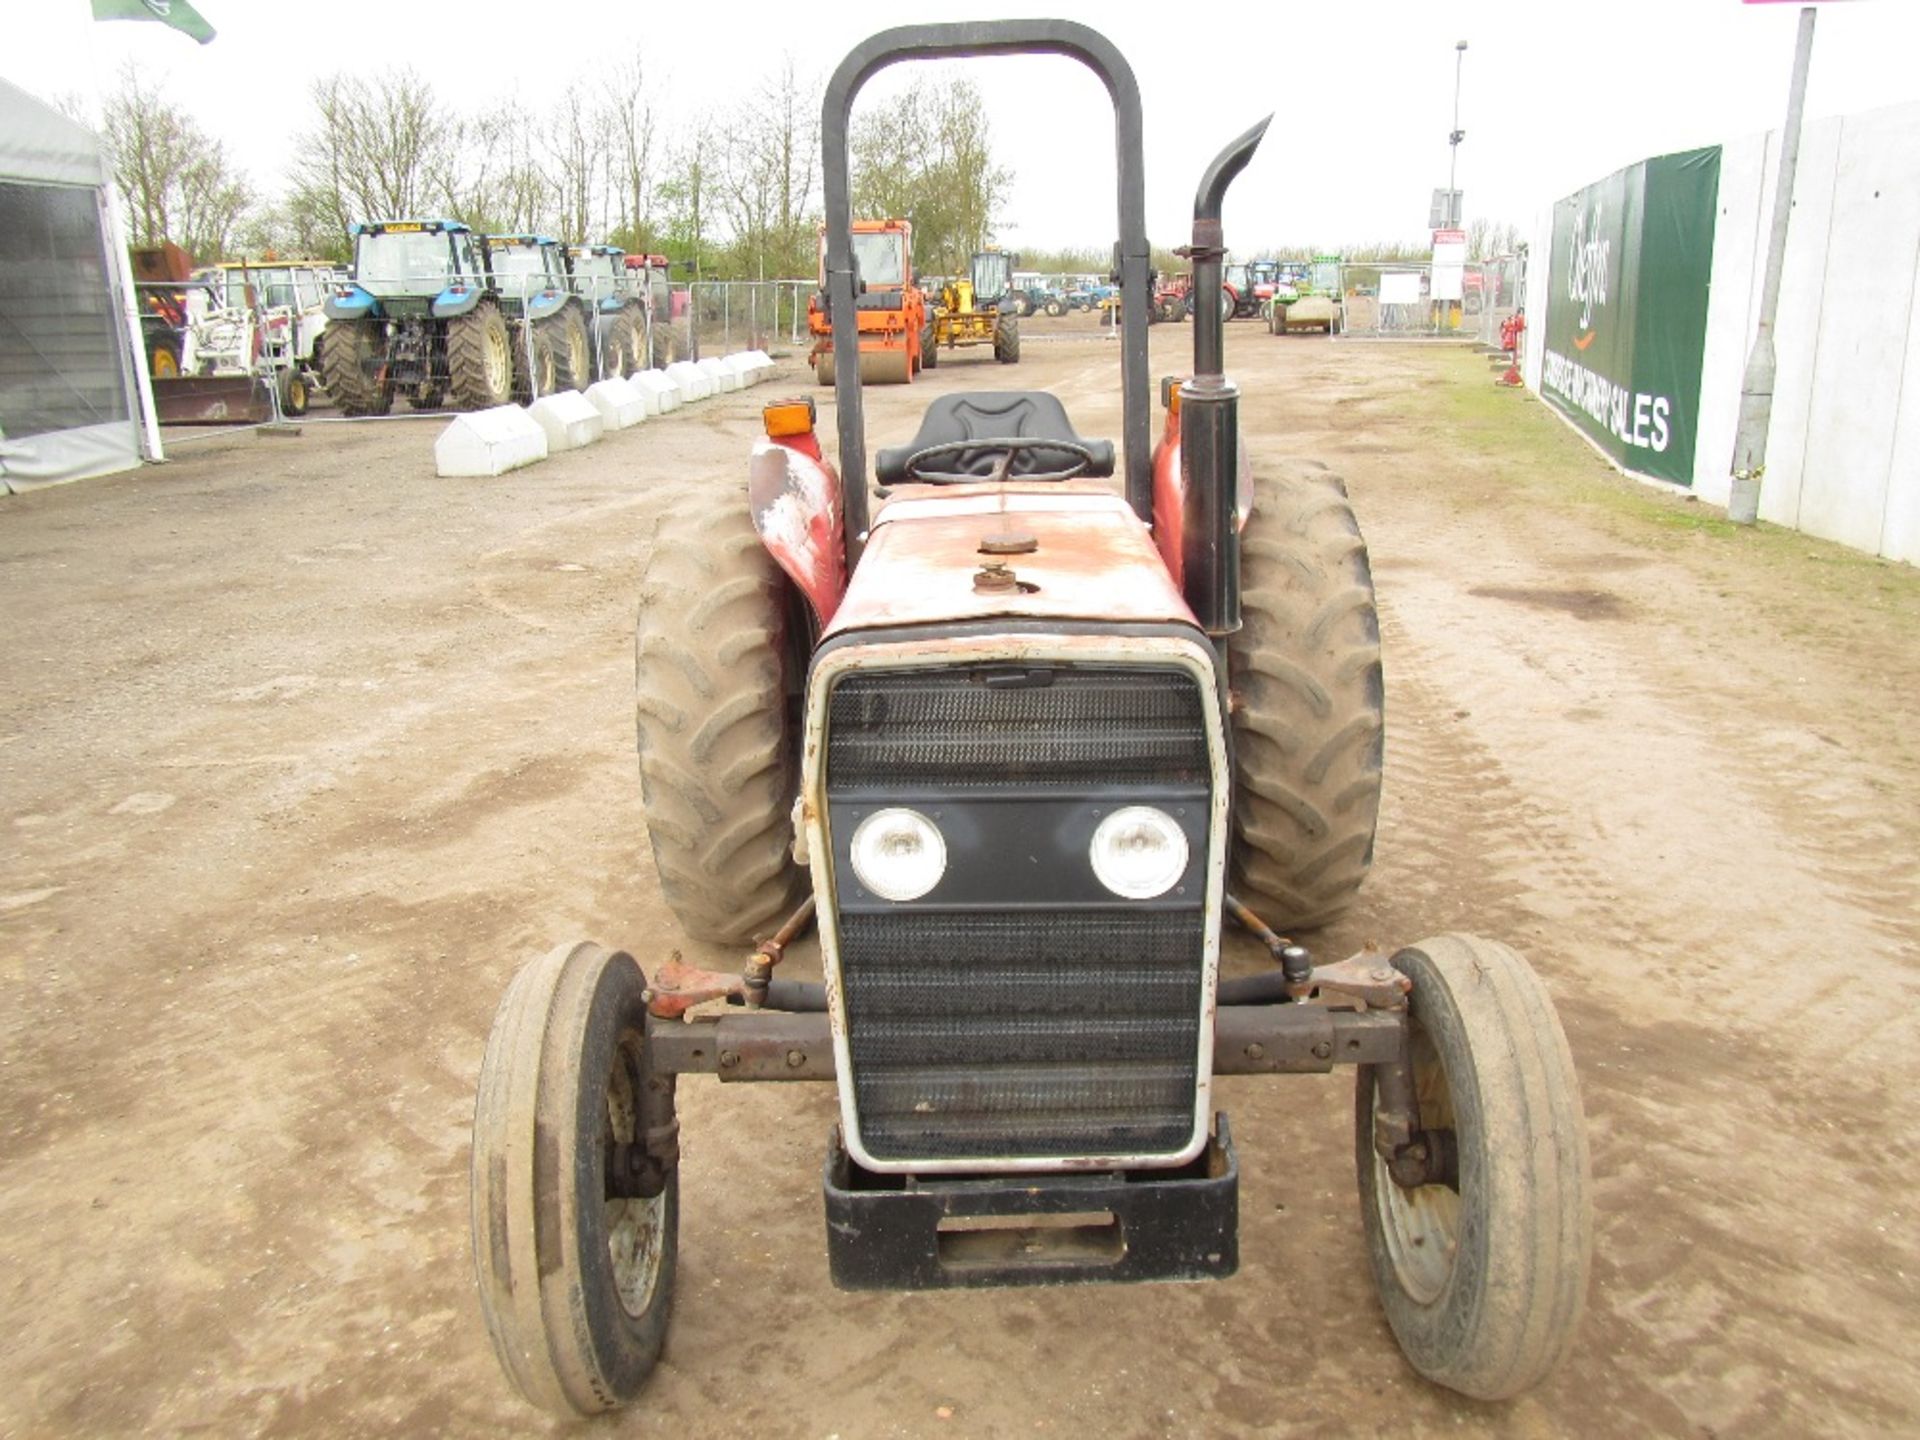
{"points": [[292, 389], [1483, 1275], [929, 348], [1006, 340], [575, 1272]]}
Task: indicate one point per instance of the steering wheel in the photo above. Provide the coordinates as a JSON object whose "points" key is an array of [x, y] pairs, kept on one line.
{"points": [[1012, 444]]}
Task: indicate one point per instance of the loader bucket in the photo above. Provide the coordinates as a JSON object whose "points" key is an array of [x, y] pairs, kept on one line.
{"points": [[212, 400]]}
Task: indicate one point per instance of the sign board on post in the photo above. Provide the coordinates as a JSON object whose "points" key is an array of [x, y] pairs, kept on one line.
{"points": [[1449, 264], [1632, 258], [1444, 212]]}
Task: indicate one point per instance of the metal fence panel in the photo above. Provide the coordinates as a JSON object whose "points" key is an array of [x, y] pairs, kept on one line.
{"points": [[1394, 300]]}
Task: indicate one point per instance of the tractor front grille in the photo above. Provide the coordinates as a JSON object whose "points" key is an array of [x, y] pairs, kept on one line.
{"points": [[1019, 1010]]}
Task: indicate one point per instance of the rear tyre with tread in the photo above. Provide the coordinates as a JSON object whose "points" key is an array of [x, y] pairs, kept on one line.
{"points": [[576, 1287], [479, 359], [572, 349], [1483, 1281], [719, 766], [619, 347], [350, 353], [1309, 727], [536, 367]]}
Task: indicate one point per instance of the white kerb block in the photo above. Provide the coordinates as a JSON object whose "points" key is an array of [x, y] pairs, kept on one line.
{"points": [[694, 383], [723, 375], [569, 420], [659, 393], [489, 442], [619, 404], [752, 366]]}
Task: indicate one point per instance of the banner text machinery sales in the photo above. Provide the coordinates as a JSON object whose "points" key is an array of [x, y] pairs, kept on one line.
{"points": [[1637, 419]]}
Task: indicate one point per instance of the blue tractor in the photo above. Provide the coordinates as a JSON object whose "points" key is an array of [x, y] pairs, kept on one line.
{"points": [[415, 316], [532, 277]]}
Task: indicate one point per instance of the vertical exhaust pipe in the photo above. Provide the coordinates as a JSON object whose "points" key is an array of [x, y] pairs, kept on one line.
{"points": [[1210, 413]]}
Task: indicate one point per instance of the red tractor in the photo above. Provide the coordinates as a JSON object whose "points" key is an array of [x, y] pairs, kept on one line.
{"points": [[1022, 744]]}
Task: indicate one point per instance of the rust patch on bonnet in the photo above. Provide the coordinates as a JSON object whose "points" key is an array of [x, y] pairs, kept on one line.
{"points": [[1093, 560]]}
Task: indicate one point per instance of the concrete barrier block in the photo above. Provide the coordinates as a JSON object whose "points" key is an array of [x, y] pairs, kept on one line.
{"points": [[618, 402], [723, 375], [752, 366], [489, 442], [658, 392], [694, 383], [569, 420]]}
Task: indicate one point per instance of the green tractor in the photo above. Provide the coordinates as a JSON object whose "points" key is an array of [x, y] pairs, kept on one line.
{"points": [[415, 316], [552, 329], [1316, 299]]}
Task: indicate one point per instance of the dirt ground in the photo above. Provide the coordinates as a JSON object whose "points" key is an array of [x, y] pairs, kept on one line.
{"points": [[303, 751]]}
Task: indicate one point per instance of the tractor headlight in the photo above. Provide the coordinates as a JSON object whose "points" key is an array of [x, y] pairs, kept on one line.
{"points": [[898, 854], [1138, 852]]}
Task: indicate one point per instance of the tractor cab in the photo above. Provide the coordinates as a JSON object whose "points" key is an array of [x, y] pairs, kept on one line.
{"points": [[527, 266], [398, 261], [992, 278], [600, 275], [892, 319]]}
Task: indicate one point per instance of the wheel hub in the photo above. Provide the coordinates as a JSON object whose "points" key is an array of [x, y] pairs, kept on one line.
{"points": [[1421, 1224], [636, 1227]]}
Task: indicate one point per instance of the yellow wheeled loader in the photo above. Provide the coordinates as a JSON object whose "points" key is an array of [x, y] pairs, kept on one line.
{"points": [[975, 310]]}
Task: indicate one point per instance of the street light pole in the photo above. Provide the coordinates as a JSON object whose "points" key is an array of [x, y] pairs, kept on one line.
{"points": [[1454, 139], [1756, 389]]}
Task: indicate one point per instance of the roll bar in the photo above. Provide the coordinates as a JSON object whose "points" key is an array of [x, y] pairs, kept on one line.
{"points": [[970, 38]]}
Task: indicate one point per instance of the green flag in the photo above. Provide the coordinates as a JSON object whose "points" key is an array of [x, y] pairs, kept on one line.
{"points": [[177, 13]]}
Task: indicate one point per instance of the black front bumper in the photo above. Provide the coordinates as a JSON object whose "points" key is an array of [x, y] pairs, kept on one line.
{"points": [[893, 1232]]}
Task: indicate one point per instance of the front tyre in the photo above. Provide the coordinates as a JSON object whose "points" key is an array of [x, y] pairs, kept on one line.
{"points": [[292, 391], [1483, 1280], [1006, 340], [576, 1287]]}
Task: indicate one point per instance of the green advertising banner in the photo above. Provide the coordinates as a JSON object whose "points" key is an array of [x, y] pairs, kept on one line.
{"points": [[1627, 321]]}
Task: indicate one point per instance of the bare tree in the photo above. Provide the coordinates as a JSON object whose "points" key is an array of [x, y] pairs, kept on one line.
{"points": [[175, 179], [687, 194], [385, 146], [577, 158], [627, 120], [928, 157], [1487, 239]]}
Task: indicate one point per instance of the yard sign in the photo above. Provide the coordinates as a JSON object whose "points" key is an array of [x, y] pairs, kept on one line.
{"points": [[1627, 323]]}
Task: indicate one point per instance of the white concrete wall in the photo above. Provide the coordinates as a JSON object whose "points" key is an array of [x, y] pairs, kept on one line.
{"points": [[1843, 450]]}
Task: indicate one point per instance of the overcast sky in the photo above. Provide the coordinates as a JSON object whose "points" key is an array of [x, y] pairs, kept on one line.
{"points": [[1556, 92]]}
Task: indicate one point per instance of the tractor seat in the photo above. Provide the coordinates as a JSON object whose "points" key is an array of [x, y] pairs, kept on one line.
{"points": [[991, 415]]}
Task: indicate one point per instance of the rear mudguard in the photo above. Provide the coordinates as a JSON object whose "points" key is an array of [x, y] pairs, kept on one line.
{"points": [[356, 305], [545, 304], [450, 304], [794, 496], [1169, 490]]}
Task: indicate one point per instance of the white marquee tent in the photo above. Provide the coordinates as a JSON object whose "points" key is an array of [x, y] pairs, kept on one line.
{"points": [[73, 398]]}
